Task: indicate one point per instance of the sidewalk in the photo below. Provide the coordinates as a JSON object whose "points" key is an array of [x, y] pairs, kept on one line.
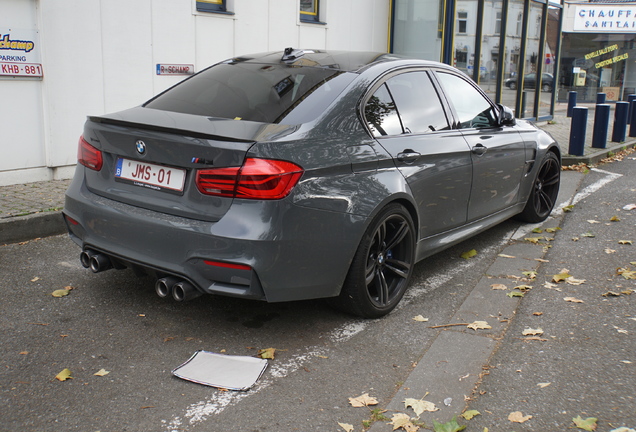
{"points": [[34, 210]]}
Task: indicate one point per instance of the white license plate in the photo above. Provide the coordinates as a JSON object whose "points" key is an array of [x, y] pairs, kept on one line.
{"points": [[149, 175]]}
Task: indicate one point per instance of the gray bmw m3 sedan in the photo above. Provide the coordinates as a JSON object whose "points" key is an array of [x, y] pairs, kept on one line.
{"points": [[304, 174]]}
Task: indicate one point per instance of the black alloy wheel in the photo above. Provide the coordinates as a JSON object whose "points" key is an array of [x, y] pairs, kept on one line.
{"points": [[382, 267], [544, 190]]}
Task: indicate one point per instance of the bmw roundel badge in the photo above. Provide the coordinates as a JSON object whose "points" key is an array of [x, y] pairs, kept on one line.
{"points": [[141, 147]]}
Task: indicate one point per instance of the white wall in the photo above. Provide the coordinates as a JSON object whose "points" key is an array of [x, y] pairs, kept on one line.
{"points": [[99, 56]]}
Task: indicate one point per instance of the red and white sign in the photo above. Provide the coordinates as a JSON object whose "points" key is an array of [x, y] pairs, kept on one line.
{"points": [[20, 53], [175, 69], [21, 69]]}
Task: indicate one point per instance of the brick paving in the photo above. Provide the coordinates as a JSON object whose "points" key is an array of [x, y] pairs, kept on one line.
{"points": [[25, 199]]}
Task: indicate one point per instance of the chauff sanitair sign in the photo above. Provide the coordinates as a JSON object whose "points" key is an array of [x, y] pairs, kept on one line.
{"points": [[20, 53], [605, 18]]}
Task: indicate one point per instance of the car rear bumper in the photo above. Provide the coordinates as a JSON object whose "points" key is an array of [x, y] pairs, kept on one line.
{"points": [[285, 259]]}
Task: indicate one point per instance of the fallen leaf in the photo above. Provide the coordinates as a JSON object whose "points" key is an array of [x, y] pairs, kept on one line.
{"points": [[346, 426], [611, 294], [623, 429], [60, 293], [479, 325], [64, 375], [518, 417], [588, 234], [572, 281], [530, 274], [401, 420], [534, 338], [568, 208], [537, 230], [543, 385], [451, 426], [615, 219], [419, 406], [523, 287], [532, 332], [572, 300], [589, 424], [541, 260], [592, 221], [560, 277], [625, 242], [499, 287], [420, 318], [515, 294], [35, 279], [552, 230], [267, 353], [629, 207], [609, 251], [627, 274], [468, 415], [362, 401], [620, 330], [101, 373], [537, 313], [534, 240], [471, 253]]}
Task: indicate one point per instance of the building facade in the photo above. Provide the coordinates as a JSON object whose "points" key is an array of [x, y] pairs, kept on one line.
{"points": [[63, 60]]}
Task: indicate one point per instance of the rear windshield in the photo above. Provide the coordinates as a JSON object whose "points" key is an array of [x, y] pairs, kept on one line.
{"points": [[270, 93]]}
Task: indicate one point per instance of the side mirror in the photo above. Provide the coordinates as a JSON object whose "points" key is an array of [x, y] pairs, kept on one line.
{"points": [[506, 116]]}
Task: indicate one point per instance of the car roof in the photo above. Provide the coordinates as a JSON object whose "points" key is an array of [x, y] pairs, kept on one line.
{"points": [[346, 61]]}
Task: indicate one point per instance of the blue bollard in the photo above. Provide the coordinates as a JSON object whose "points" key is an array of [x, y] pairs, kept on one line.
{"points": [[571, 102], [600, 98], [577, 131], [630, 98], [601, 126], [620, 122], [632, 119]]}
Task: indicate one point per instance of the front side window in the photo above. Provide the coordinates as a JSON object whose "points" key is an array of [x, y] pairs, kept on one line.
{"points": [[472, 108]]}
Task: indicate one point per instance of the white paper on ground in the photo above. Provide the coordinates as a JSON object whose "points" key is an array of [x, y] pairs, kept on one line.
{"points": [[222, 371]]}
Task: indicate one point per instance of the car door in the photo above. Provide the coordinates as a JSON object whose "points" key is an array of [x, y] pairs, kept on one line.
{"points": [[497, 152], [408, 119]]}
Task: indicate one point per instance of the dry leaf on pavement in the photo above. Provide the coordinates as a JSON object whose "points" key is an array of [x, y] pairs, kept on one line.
{"points": [[479, 325], [346, 426], [572, 300], [419, 405], [532, 332], [362, 401], [518, 417], [401, 420], [64, 375]]}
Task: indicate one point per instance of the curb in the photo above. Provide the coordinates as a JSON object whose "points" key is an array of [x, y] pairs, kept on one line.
{"points": [[596, 157], [30, 227]]}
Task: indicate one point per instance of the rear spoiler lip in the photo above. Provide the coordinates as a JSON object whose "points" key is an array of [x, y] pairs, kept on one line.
{"points": [[170, 130]]}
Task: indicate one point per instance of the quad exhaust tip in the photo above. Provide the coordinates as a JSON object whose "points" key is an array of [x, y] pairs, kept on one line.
{"points": [[95, 261], [180, 290]]}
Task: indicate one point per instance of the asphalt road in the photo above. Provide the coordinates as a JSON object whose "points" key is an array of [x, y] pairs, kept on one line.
{"points": [[114, 321]]}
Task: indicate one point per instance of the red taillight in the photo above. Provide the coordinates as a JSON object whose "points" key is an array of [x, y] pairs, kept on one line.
{"points": [[88, 155], [256, 179], [227, 265]]}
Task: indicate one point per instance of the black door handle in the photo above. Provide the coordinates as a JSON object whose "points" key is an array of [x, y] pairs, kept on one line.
{"points": [[408, 156], [479, 149]]}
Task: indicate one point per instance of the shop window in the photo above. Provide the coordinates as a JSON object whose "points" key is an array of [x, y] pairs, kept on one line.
{"points": [[461, 59], [216, 6], [519, 23], [462, 22], [310, 11]]}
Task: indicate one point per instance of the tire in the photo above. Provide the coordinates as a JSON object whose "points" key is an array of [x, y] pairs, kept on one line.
{"points": [[513, 85], [546, 87], [382, 265], [545, 189]]}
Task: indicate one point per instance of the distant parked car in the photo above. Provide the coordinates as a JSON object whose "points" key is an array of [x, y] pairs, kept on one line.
{"points": [[304, 174], [530, 82]]}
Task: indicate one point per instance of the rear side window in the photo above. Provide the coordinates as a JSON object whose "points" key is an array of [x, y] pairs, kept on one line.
{"points": [[417, 102], [270, 93]]}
